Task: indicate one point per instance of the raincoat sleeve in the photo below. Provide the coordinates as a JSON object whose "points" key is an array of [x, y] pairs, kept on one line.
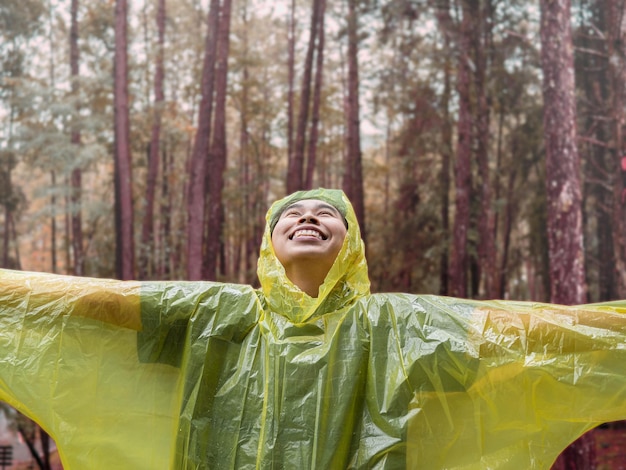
{"points": [[69, 360], [507, 384]]}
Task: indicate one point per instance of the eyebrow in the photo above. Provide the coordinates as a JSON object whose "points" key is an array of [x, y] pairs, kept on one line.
{"points": [[321, 205]]}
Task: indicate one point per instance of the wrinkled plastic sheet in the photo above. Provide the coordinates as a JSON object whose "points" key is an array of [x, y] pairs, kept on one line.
{"points": [[199, 375]]}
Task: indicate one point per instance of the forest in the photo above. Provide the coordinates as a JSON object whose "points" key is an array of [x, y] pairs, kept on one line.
{"points": [[146, 140], [480, 141]]}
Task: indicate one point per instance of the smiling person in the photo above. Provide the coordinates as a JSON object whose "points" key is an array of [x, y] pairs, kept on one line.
{"points": [[310, 371], [306, 238]]}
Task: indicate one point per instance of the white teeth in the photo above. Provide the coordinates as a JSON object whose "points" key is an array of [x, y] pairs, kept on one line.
{"points": [[307, 233]]}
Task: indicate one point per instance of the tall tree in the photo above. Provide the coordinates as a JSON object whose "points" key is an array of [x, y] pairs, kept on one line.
{"points": [[125, 250], [295, 163], [217, 152], [291, 71], [353, 173], [445, 24], [462, 166], [616, 48], [317, 98], [147, 232], [75, 138], [199, 156], [563, 185], [486, 224]]}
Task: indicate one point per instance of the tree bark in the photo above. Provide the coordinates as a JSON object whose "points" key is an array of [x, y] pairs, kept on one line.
{"points": [[295, 165], [486, 227], [462, 166], [198, 167], [317, 97], [616, 41], [125, 259], [563, 185], [445, 26], [353, 175], [217, 153], [291, 65], [147, 232], [75, 138]]}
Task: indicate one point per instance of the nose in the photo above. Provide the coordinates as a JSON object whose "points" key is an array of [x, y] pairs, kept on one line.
{"points": [[309, 218]]}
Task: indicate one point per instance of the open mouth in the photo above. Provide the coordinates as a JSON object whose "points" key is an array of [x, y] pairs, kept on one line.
{"points": [[307, 233]]}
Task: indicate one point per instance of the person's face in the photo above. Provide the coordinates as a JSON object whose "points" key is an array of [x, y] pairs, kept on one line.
{"points": [[309, 231]]}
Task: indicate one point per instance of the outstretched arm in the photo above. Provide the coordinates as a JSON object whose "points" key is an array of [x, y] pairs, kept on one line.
{"points": [[40, 294]]}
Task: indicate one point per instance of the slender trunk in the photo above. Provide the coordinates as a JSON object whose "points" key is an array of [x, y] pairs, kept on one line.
{"points": [[291, 78], [462, 170], [565, 237], [125, 259], [199, 156], [217, 153], [53, 199], [147, 232], [317, 97], [245, 157], [6, 236], [75, 138], [564, 225], [617, 72], [486, 227], [167, 252], [506, 236], [295, 165], [53, 225], [445, 25], [353, 175]]}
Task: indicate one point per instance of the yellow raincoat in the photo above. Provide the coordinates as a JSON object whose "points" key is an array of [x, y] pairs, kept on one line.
{"points": [[199, 375]]}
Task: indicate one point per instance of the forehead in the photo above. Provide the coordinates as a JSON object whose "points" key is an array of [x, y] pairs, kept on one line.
{"points": [[311, 204]]}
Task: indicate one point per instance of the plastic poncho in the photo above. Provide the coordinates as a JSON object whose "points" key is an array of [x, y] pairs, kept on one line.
{"points": [[199, 375]]}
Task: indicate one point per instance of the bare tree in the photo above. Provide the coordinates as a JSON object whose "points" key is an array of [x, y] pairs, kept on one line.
{"points": [[446, 27], [317, 97], [353, 174], [462, 166], [295, 163], [125, 251], [147, 232], [563, 185], [616, 38], [217, 153], [198, 167], [75, 138]]}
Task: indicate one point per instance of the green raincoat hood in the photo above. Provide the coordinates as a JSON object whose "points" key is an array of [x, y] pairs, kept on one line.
{"points": [[346, 281]]}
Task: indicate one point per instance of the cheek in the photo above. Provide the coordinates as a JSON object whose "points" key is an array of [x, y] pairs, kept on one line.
{"points": [[277, 247]]}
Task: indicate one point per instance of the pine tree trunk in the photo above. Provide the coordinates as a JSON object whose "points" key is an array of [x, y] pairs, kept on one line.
{"points": [[125, 259], [565, 235], [217, 153], [462, 167], [353, 175], [486, 227], [291, 65], [167, 252], [147, 232], [445, 25], [617, 72], [75, 138], [317, 97], [295, 165], [199, 156]]}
